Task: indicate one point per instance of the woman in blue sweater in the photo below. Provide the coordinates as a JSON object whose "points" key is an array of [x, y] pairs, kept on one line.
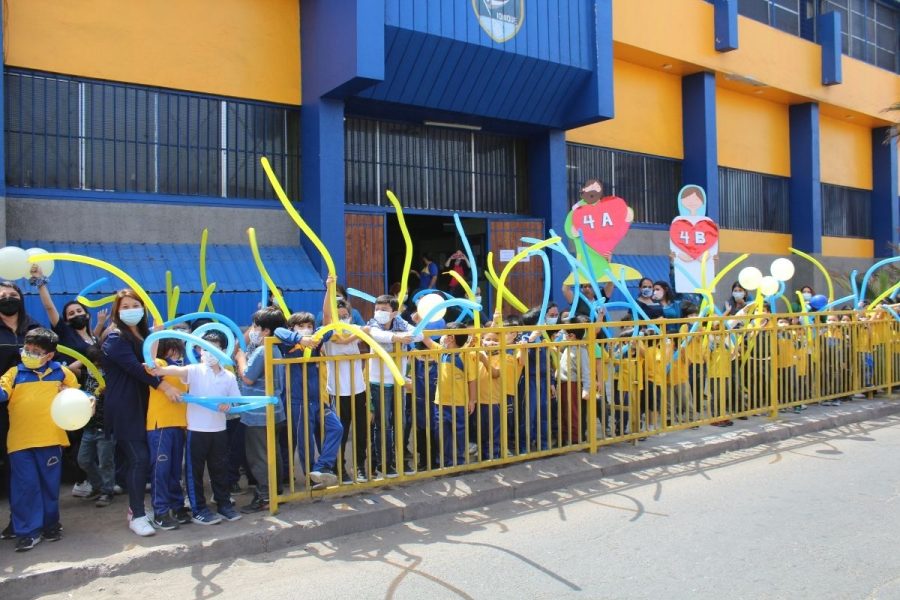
{"points": [[127, 392]]}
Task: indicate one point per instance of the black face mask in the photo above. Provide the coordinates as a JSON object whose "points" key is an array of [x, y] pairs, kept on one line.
{"points": [[79, 321], [10, 306]]}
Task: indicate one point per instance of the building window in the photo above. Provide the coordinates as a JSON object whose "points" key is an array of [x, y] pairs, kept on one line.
{"points": [[753, 201], [79, 134], [649, 184], [870, 30], [846, 212], [781, 14], [436, 168]]}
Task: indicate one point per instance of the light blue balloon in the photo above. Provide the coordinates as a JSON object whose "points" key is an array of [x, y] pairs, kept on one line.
{"points": [[469, 255], [441, 306], [238, 334], [839, 301], [865, 282], [93, 286], [229, 336], [245, 403], [149, 359], [361, 295]]}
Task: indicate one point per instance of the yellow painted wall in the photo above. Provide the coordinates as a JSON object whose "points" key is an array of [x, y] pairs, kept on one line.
{"points": [[845, 153], [848, 247], [241, 48], [752, 134], [683, 30], [648, 114], [754, 242]]}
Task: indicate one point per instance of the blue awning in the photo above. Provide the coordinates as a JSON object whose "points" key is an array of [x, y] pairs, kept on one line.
{"points": [[654, 267], [231, 267]]}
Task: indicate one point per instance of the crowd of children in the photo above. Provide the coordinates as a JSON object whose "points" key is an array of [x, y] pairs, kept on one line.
{"points": [[514, 387]]}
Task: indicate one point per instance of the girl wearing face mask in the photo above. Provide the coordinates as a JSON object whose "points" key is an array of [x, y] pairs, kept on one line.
{"points": [[73, 324], [670, 307], [127, 393], [14, 324], [738, 300], [645, 299], [806, 292]]}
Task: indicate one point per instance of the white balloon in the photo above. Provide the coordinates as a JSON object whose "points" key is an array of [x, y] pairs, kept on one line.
{"points": [[14, 263], [782, 269], [71, 409], [749, 278], [46, 266], [426, 303], [768, 286]]}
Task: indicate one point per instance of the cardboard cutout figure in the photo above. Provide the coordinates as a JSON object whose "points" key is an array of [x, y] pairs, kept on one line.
{"points": [[691, 234], [603, 221]]}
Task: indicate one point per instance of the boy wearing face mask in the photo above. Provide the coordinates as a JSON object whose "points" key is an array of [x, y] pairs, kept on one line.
{"points": [[166, 421], [35, 442], [207, 440], [388, 329], [251, 369], [316, 426]]}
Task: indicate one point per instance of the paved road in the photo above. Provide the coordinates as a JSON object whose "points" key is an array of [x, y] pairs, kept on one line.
{"points": [[814, 517]]}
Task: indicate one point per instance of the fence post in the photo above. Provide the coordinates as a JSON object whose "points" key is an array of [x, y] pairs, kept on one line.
{"points": [[593, 391], [271, 449], [770, 333]]}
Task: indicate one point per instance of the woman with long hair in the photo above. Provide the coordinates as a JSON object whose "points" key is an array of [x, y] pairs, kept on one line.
{"points": [[127, 392]]}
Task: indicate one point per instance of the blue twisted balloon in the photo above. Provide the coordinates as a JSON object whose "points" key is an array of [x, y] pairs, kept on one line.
{"points": [[361, 295], [245, 403], [469, 254], [186, 337], [461, 302], [229, 337], [238, 334]]}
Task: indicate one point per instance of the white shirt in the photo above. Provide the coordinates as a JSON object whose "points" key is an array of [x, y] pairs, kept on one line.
{"points": [[203, 381], [346, 385]]}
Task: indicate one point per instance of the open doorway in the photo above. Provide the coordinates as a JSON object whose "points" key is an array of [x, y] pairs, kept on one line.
{"points": [[436, 236]]}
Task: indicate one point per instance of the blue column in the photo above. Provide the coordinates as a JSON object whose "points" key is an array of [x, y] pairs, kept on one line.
{"points": [[726, 25], [829, 34], [885, 209], [547, 185], [806, 186], [322, 202], [2, 116], [701, 155]]}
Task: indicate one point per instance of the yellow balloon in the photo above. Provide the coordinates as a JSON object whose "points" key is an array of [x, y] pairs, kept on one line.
{"points": [[721, 274], [125, 277], [512, 263], [206, 299], [204, 284], [326, 256], [97, 303], [821, 268], [358, 332], [91, 367], [703, 261], [173, 302], [251, 233], [407, 259], [491, 276]]}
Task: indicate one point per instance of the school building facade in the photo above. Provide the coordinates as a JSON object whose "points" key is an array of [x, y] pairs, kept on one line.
{"points": [[130, 127]]}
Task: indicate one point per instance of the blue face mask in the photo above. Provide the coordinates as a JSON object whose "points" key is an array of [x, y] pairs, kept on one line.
{"points": [[646, 292], [131, 316]]}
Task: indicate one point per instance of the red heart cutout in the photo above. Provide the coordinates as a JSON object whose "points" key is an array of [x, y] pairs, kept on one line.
{"points": [[603, 224], [694, 238]]}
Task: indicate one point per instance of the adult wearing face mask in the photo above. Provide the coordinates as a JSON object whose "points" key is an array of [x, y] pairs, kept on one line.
{"points": [[127, 394], [14, 324], [73, 326], [645, 299], [807, 292], [737, 301]]}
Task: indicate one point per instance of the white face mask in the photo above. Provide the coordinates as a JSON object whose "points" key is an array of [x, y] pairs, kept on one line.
{"points": [[477, 299], [304, 332], [208, 359], [346, 320], [807, 296], [738, 295], [552, 320], [382, 317], [657, 295], [255, 337]]}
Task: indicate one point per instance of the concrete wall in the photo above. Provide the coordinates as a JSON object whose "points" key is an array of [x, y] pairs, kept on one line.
{"points": [[85, 221]]}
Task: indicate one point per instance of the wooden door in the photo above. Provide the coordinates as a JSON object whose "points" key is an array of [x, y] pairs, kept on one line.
{"points": [[526, 280], [365, 257]]}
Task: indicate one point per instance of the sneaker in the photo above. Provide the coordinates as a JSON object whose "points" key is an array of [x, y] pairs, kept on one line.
{"points": [[206, 517], [183, 515], [117, 490], [323, 477], [27, 543], [828, 403], [837, 403], [391, 473], [165, 521], [361, 476], [799, 409], [228, 513], [53, 534], [473, 448], [8, 533], [103, 500], [95, 493], [81, 490], [237, 490], [256, 505], [142, 526]]}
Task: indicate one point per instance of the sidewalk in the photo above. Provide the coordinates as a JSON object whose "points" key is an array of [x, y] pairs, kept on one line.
{"points": [[97, 542]]}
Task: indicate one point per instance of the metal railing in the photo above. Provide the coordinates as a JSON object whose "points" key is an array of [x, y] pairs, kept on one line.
{"points": [[540, 396]]}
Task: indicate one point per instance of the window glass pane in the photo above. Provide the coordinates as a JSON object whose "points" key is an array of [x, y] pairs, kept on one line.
{"points": [[757, 10], [753, 201]]}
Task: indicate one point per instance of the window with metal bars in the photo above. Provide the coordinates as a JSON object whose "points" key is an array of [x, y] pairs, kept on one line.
{"points": [[753, 201], [781, 14], [436, 168], [870, 30], [846, 212], [649, 184], [79, 134]]}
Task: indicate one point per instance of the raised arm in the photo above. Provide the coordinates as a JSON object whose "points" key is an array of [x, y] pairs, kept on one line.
{"points": [[38, 279]]}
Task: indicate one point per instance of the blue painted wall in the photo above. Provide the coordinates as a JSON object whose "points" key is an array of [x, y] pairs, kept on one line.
{"points": [[805, 184], [885, 201], [701, 156]]}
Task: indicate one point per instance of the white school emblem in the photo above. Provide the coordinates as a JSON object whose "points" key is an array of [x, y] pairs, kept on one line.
{"points": [[500, 19]]}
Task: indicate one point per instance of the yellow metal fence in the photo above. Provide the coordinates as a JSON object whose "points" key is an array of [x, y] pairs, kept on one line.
{"points": [[515, 393]]}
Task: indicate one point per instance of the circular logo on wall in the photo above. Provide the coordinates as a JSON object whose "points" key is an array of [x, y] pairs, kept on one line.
{"points": [[500, 19]]}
